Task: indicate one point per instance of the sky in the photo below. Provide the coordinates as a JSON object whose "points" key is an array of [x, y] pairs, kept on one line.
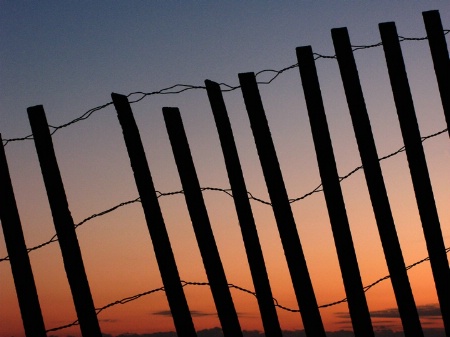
{"points": [[70, 56]]}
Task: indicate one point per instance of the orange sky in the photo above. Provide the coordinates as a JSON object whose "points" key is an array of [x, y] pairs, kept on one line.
{"points": [[116, 247]]}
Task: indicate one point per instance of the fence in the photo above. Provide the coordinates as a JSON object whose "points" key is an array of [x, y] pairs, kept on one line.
{"points": [[281, 204]]}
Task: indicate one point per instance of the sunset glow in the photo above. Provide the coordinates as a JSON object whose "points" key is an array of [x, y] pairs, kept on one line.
{"points": [[70, 57]]}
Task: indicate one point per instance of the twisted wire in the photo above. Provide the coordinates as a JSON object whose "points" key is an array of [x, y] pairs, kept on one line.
{"points": [[233, 286], [179, 88], [159, 194]]}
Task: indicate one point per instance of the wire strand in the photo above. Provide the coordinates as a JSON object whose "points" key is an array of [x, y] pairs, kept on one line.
{"points": [[179, 88], [159, 194], [138, 96], [233, 286]]}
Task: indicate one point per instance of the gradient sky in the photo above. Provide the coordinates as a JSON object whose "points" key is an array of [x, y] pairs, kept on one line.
{"points": [[70, 56]]}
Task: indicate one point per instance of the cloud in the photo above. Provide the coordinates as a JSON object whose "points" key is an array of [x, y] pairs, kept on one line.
{"points": [[155, 334], [386, 331], [386, 313], [162, 313], [387, 322], [217, 332], [108, 320], [214, 332], [429, 311], [194, 313]]}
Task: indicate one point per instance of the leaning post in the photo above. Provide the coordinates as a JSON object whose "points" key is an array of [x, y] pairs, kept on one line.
{"points": [[441, 62], [154, 218], [351, 276], [375, 183], [27, 295], [244, 212], [418, 167], [64, 225], [287, 228], [200, 221]]}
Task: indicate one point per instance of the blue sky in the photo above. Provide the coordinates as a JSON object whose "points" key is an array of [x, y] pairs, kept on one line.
{"points": [[81, 50]]}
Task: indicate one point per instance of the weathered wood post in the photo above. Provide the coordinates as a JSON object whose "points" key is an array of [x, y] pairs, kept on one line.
{"points": [[287, 228], [418, 167], [64, 226], [27, 295], [244, 211], [155, 221], [202, 226], [375, 183], [357, 304], [441, 62]]}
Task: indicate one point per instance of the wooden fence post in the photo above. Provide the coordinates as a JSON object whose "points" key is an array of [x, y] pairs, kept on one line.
{"points": [[154, 218], [27, 295], [357, 304], [64, 226], [287, 228], [375, 183], [244, 211], [202, 226], [418, 167], [439, 53]]}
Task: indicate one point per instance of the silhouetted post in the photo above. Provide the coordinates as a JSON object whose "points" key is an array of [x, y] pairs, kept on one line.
{"points": [[375, 183], [418, 167], [64, 226], [27, 296], [154, 218], [357, 304], [287, 228], [244, 212], [202, 226], [439, 53]]}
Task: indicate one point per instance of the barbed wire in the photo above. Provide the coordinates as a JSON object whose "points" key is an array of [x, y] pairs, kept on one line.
{"points": [[227, 191], [179, 88], [234, 286]]}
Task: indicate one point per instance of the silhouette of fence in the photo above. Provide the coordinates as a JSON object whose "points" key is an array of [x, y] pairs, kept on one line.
{"points": [[279, 201]]}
